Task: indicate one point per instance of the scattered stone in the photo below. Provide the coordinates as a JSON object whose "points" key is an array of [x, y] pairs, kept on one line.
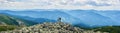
{"points": [[58, 27]]}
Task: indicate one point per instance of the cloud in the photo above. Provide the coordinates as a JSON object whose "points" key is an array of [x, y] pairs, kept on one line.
{"points": [[60, 4]]}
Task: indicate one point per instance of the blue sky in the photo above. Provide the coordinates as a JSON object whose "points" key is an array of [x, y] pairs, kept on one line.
{"points": [[60, 4]]}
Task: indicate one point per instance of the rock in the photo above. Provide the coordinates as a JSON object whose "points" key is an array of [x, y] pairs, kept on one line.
{"points": [[58, 27]]}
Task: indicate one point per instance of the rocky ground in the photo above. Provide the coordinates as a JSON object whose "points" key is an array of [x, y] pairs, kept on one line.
{"points": [[58, 27]]}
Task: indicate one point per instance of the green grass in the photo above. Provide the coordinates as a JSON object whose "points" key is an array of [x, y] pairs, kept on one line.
{"points": [[110, 29], [8, 27]]}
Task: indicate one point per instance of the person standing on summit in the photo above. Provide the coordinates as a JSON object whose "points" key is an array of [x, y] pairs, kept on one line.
{"points": [[59, 19]]}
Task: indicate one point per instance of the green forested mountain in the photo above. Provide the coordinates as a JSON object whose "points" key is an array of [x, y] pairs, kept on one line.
{"points": [[10, 23], [8, 20]]}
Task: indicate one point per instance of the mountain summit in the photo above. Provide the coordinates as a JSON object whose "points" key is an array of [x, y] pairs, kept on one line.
{"points": [[58, 27]]}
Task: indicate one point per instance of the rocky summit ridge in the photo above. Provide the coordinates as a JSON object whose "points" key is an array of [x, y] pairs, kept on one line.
{"points": [[47, 27]]}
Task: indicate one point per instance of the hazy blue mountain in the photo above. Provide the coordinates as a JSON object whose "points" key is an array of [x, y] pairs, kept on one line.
{"points": [[45, 15], [89, 18], [94, 18], [114, 15], [38, 20]]}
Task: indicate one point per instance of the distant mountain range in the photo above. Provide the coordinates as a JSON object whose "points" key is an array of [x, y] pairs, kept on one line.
{"points": [[86, 18]]}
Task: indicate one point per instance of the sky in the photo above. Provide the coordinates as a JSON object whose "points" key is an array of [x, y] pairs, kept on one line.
{"points": [[60, 4]]}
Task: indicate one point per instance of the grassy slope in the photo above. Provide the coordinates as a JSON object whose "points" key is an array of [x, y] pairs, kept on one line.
{"points": [[7, 20], [8, 27], [13, 20], [110, 29], [12, 23]]}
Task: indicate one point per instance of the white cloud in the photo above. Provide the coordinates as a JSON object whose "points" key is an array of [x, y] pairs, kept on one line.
{"points": [[61, 4]]}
